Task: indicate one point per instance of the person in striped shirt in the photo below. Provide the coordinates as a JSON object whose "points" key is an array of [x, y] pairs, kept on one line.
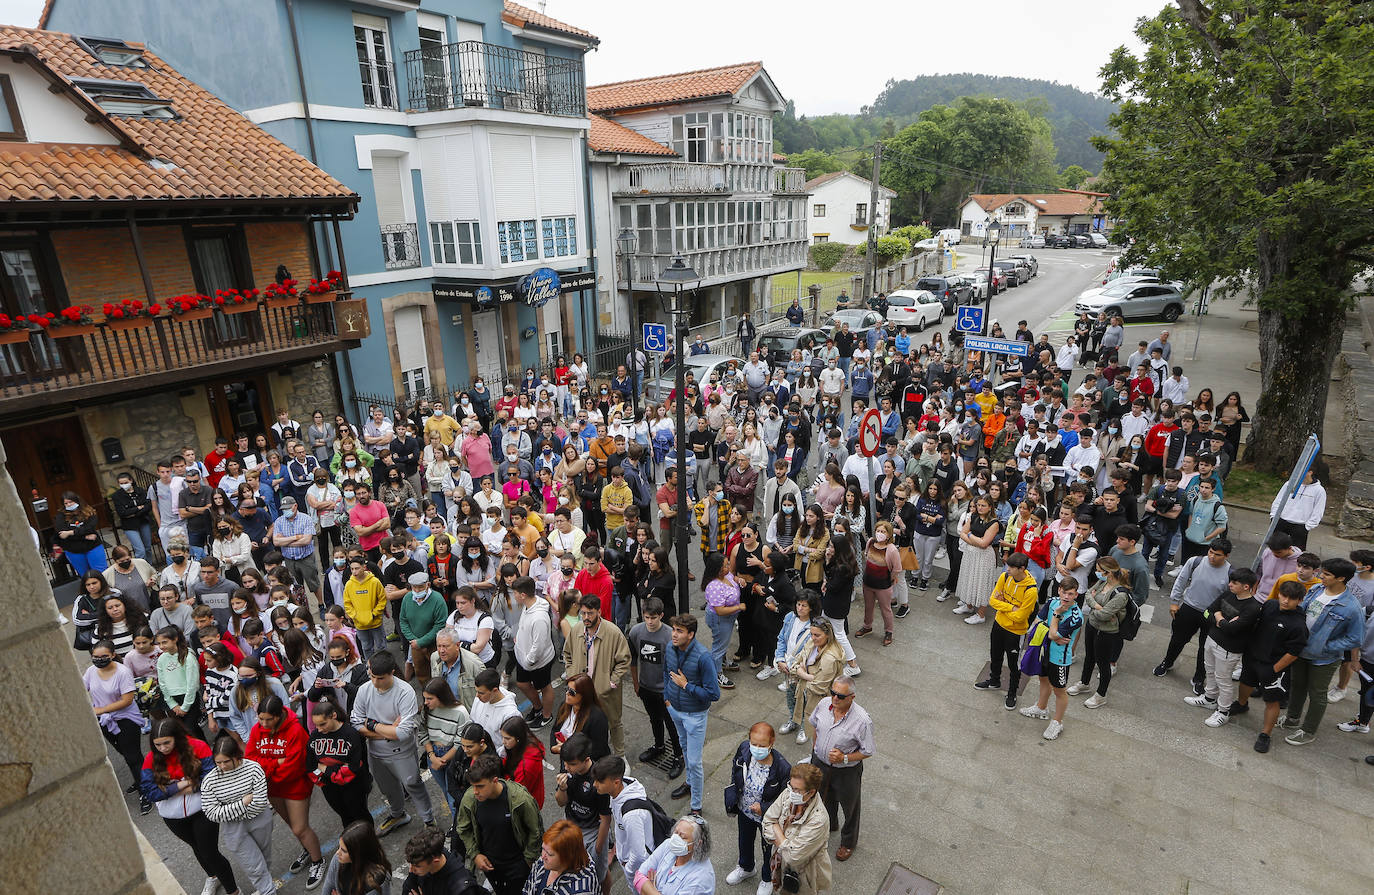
{"points": [[234, 795]]}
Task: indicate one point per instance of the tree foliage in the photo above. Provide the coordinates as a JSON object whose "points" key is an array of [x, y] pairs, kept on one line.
{"points": [[826, 255], [1074, 176], [815, 162], [1245, 155], [913, 233]]}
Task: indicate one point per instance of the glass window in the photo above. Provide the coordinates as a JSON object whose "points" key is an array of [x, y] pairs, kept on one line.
{"points": [[374, 65], [441, 242], [518, 241], [560, 236], [469, 238]]}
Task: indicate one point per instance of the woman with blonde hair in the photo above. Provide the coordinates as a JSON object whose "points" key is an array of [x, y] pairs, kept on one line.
{"points": [[815, 665], [881, 565]]}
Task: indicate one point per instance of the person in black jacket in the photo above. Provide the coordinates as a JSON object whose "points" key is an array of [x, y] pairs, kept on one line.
{"points": [[1232, 616], [340, 763], [758, 775], [135, 512], [434, 870], [774, 597]]}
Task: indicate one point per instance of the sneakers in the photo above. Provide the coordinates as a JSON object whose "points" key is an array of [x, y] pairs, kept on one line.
{"points": [[1076, 688], [1335, 694], [393, 637], [316, 874], [1032, 711], [1198, 688], [301, 860], [963, 608], [903, 610], [1094, 701], [391, 822], [943, 596], [1161, 669], [1353, 727], [1287, 723], [1053, 730], [853, 670], [739, 875], [975, 619], [1216, 719], [1235, 675], [144, 806], [1299, 738], [541, 720], [725, 682], [211, 887], [1262, 743], [788, 727], [767, 672], [801, 736], [991, 683], [530, 714], [731, 666], [925, 584], [1202, 702], [765, 888], [782, 687], [1010, 702], [650, 754]]}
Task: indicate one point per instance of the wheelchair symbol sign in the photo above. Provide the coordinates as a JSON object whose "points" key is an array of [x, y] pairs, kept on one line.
{"points": [[656, 337], [969, 319]]}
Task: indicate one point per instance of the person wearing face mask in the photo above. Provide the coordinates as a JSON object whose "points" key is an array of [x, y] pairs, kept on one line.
{"points": [[294, 535], [758, 776], [78, 534], [422, 615], [795, 828], [130, 576], [681, 865], [135, 514]]}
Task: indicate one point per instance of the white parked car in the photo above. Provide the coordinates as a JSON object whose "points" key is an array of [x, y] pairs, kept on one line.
{"points": [[927, 245], [914, 309]]}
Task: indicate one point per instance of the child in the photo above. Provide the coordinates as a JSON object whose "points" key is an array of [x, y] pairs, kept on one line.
{"points": [[258, 645], [218, 680], [1305, 574], [1278, 639], [1065, 621], [142, 659], [493, 533], [336, 624], [337, 576]]}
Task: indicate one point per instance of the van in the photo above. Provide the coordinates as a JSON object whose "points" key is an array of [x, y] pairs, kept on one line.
{"points": [[952, 236]]}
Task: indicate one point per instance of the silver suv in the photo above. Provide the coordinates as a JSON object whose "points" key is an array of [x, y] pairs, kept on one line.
{"points": [[1134, 300]]}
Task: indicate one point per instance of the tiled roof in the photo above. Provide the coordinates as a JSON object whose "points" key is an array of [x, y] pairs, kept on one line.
{"points": [[524, 17], [607, 136], [811, 185], [1061, 203], [678, 88], [209, 152]]}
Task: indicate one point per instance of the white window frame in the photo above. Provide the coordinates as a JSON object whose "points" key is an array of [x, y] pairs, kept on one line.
{"points": [[468, 238], [441, 243], [371, 69]]}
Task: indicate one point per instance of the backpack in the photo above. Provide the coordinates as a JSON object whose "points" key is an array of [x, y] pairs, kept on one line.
{"points": [[662, 823], [1129, 625], [498, 634]]}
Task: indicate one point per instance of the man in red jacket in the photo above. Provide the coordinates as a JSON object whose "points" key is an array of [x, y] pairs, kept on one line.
{"points": [[1156, 443], [215, 460], [594, 578]]}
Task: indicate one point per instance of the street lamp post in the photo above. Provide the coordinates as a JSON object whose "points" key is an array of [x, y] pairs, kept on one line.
{"points": [[993, 233], [676, 276], [629, 244]]}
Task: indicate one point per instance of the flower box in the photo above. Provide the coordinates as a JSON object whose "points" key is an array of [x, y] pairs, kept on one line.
{"points": [[317, 298], [123, 323], [195, 314], [282, 301], [72, 330], [244, 308], [14, 336]]}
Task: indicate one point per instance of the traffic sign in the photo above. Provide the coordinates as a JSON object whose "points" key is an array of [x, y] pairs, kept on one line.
{"points": [[656, 337], [997, 346], [870, 433], [968, 318]]}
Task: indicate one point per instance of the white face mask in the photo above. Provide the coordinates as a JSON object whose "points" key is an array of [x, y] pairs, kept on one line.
{"points": [[678, 846], [795, 797]]}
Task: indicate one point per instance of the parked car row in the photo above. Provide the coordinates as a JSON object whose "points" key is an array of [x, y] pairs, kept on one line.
{"points": [[1063, 241]]}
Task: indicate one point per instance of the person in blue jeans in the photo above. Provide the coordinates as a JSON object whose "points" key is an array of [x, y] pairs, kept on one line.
{"points": [[1335, 626], [690, 685], [722, 605]]}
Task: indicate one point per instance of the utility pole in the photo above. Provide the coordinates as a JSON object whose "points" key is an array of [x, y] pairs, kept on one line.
{"points": [[869, 256]]}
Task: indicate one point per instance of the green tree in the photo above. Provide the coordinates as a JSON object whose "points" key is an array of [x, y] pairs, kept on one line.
{"points": [[1074, 176], [815, 162], [1245, 155]]}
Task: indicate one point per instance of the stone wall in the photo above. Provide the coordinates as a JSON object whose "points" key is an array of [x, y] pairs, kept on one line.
{"points": [[1356, 516], [150, 428], [64, 822], [305, 388]]}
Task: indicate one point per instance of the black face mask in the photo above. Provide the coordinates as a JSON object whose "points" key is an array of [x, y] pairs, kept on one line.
{"points": [[542, 551], [101, 661], [338, 663]]}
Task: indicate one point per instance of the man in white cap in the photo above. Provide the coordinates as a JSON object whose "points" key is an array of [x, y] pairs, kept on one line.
{"points": [[422, 618]]}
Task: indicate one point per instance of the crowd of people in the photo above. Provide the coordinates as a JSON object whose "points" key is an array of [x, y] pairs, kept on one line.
{"points": [[346, 605]]}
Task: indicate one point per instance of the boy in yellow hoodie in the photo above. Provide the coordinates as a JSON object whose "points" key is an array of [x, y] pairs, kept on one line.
{"points": [[364, 601], [1014, 598]]}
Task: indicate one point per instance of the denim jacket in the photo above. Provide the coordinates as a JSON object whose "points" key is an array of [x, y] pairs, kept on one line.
{"points": [[1339, 628]]}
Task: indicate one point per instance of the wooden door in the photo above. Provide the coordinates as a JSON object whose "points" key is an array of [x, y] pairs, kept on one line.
{"points": [[48, 458], [240, 404]]}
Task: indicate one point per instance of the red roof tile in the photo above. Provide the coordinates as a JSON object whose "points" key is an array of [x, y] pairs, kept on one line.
{"points": [[524, 17], [607, 136], [664, 89], [209, 152], [1062, 203]]}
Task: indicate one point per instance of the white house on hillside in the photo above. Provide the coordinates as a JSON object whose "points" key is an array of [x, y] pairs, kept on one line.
{"points": [[839, 208], [1067, 212]]}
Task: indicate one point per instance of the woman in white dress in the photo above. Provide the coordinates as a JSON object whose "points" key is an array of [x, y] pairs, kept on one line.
{"points": [[979, 532]]}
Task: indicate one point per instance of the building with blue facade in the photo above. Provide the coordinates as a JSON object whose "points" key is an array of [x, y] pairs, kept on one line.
{"points": [[462, 127]]}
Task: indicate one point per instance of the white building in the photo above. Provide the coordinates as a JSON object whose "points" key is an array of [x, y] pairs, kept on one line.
{"points": [[840, 212], [685, 162], [1067, 212]]}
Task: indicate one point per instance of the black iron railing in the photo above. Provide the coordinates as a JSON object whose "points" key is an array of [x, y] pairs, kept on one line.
{"points": [[475, 74]]}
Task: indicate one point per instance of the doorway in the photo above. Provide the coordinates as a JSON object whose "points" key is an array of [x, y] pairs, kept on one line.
{"points": [[45, 459], [242, 404], [487, 339]]}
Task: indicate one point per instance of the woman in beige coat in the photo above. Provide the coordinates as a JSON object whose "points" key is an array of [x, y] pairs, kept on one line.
{"points": [[815, 665], [799, 827]]}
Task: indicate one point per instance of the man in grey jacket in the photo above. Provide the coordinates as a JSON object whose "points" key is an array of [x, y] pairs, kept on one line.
{"points": [[385, 712], [534, 652], [1200, 581]]}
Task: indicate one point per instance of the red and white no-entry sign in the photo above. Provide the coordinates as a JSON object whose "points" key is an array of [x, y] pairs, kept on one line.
{"points": [[870, 433]]}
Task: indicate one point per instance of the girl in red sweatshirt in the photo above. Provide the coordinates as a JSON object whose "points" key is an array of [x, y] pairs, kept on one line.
{"points": [[524, 761], [280, 744]]}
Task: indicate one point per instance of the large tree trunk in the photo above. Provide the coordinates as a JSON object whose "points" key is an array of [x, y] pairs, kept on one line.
{"points": [[1296, 357]]}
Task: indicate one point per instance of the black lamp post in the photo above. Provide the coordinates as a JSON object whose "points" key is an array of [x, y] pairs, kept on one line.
{"points": [[676, 277], [993, 234], [629, 244]]}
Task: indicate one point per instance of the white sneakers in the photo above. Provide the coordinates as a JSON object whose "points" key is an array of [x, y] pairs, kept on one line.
{"points": [[765, 888], [788, 727], [1216, 719], [963, 608], [975, 619], [801, 736], [1202, 702], [1094, 701], [782, 687], [1076, 688], [942, 596], [853, 670], [1353, 726], [767, 672], [212, 887], [739, 875], [1035, 712], [1335, 694], [1052, 732]]}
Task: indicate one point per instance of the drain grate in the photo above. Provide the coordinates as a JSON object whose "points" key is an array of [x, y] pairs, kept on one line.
{"points": [[902, 881]]}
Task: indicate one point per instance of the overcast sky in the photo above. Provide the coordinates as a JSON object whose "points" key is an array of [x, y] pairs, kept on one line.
{"points": [[834, 57]]}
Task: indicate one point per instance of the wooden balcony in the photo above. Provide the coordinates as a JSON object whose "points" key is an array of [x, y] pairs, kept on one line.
{"points": [[171, 352], [669, 178]]}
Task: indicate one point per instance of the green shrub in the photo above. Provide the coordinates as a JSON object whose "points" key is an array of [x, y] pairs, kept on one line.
{"points": [[913, 233], [826, 255], [890, 248]]}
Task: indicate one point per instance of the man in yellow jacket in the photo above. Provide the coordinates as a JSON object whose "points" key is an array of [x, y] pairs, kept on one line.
{"points": [[1014, 598], [364, 601]]}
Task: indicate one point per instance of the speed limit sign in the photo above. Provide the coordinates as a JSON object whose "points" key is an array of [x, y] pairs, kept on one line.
{"points": [[870, 433]]}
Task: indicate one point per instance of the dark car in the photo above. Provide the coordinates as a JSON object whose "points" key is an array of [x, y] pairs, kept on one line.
{"points": [[780, 342], [1016, 274], [950, 290], [1061, 242]]}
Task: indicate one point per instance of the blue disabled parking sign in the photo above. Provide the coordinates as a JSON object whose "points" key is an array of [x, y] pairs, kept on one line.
{"points": [[969, 319], [656, 337]]}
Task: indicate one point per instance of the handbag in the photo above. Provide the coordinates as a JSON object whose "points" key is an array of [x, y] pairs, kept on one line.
{"points": [[1155, 527]]}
